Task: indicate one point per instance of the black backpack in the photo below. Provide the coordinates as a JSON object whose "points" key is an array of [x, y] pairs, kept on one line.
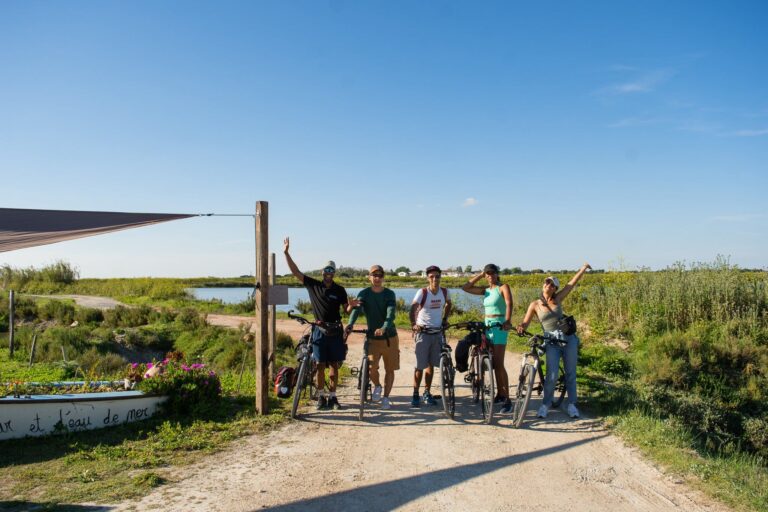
{"points": [[462, 350], [285, 380]]}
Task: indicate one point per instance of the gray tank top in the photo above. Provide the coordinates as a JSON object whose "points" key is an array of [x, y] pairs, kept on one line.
{"points": [[549, 318]]}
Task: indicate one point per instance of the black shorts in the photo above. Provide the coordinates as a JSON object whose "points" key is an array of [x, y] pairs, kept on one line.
{"points": [[327, 347]]}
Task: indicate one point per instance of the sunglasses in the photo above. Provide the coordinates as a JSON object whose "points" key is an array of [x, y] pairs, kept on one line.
{"points": [[380, 276], [437, 276], [329, 270]]}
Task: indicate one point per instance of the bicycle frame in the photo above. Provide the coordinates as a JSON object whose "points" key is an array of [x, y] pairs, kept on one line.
{"points": [[530, 367]]}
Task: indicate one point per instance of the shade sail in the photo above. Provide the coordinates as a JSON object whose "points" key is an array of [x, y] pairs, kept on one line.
{"points": [[20, 228]]}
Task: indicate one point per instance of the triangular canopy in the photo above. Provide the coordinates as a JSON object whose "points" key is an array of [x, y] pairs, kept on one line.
{"points": [[20, 228]]}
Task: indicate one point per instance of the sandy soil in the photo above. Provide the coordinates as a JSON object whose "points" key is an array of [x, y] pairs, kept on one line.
{"points": [[417, 459], [87, 301]]}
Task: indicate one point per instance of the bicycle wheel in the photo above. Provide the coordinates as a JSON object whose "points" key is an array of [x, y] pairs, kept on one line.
{"points": [[446, 379], [487, 388], [364, 385], [559, 387], [523, 394], [301, 383]]}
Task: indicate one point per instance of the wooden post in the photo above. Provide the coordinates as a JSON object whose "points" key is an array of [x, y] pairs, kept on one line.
{"points": [[10, 324], [32, 350], [272, 320], [261, 343]]}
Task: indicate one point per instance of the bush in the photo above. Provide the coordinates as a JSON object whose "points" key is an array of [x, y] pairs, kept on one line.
{"points": [[304, 306], [189, 318], [60, 311], [94, 362], [128, 317], [89, 316], [191, 389]]}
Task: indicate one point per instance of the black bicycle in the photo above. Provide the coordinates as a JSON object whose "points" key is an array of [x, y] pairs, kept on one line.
{"points": [[447, 371], [530, 367], [480, 375], [363, 374], [306, 376]]}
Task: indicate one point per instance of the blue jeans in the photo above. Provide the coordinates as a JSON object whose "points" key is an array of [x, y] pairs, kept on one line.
{"points": [[570, 354]]}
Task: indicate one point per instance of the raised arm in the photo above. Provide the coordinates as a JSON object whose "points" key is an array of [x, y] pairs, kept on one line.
{"points": [[470, 286], [562, 294], [291, 265], [528, 317]]}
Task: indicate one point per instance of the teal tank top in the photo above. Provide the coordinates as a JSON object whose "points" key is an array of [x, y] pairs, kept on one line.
{"points": [[494, 302]]}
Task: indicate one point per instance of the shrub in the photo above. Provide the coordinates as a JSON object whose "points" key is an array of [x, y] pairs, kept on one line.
{"points": [[60, 311], [304, 306], [128, 317], [95, 363], [89, 315], [190, 388], [189, 318]]}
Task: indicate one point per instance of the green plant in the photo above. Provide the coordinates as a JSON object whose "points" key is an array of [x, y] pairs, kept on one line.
{"points": [[190, 388]]}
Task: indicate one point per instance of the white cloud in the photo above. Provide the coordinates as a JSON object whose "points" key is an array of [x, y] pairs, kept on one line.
{"points": [[750, 133], [470, 201], [646, 82]]}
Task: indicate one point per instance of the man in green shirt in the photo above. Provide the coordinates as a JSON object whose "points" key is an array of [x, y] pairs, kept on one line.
{"points": [[378, 304]]}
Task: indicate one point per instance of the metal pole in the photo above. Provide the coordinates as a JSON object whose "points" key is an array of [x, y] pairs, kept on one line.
{"points": [[261, 293], [10, 324], [272, 320]]}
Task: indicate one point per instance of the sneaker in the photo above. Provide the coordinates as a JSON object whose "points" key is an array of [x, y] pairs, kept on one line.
{"points": [[376, 395], [507, 408], [573, 412], [415, 400], [498, 400], [543, 411], [428, 398], [322, 403], [385, 404], [333, 403]]}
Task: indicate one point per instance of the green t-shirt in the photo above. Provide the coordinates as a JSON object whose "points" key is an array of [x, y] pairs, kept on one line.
{"points": [[379, 309]]}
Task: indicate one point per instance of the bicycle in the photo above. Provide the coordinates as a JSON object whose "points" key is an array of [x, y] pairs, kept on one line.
{"points": [[480, 374], [529, 368], [447, 371], [307, 372], [363, 374]]}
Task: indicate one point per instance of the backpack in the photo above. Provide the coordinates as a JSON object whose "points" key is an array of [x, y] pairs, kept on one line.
{"points": [[284, 381], [462, 350], [424, 296]]}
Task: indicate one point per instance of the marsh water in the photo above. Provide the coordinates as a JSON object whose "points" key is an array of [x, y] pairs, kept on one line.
{"points": [[235, 295]]}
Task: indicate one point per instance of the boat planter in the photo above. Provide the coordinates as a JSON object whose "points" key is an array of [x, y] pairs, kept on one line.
{"points": [[40, 415]]}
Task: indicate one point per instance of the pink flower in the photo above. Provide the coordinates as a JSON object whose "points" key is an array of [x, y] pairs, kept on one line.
{"points": [[134, 366], [149, 365]]}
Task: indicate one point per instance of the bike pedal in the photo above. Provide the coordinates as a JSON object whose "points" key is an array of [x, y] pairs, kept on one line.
{"points": [[468, 378]]}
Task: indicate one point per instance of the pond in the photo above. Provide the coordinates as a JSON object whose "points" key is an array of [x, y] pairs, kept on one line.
{"points": [[235, 295]]}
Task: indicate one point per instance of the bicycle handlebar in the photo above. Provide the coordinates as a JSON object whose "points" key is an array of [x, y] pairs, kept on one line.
{"points": [[304, 321]]}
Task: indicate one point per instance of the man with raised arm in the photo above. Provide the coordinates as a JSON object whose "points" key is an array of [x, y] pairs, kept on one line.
{"points": [[378, 304], [328, 346], [430, 309]]}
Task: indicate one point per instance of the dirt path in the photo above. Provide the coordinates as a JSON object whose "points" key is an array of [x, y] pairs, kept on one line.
{"points": [[87, 301], [416, 459]]}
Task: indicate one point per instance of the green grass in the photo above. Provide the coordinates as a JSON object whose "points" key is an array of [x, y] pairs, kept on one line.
{"points": [[111, 465], [738, 480]]}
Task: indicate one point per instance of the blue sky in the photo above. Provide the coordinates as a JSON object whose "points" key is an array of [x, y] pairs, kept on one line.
{"points": [[537, 134]]}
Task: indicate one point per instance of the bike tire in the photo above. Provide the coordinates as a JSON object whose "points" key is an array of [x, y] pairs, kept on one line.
{"points": [[364, 385], [559, 386], [523, 393], [301, 383], [487, 388], [446, 379]]}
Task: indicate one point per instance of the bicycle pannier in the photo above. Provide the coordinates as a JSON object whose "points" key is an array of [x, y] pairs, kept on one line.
{"points": [[462, 350], [285, 380], [567, 324]]}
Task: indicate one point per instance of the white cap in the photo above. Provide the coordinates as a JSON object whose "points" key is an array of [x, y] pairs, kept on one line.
{"points": [[555, 281]]}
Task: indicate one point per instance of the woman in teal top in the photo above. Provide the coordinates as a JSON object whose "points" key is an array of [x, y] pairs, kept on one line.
{"points": [[497, 301]]}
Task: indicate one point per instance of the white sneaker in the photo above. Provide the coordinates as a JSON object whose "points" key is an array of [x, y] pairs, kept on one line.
{"points": [[543, 411], [573, 412], [385, 403], [376, 396]]}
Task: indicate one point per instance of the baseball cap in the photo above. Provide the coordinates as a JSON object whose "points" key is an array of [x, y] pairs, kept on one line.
{"points": [[492, 268], [555, 281], [330, 264], [376, 268], [433, 268]]}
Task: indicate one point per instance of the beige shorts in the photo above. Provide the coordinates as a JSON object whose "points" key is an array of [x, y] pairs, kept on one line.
{"points": [[379, 349]]}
